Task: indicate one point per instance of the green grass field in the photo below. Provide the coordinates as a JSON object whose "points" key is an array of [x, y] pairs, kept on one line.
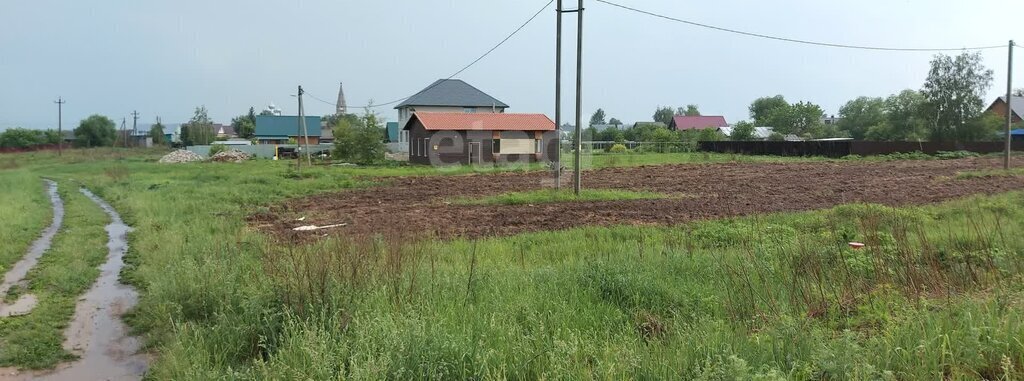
{"points": [[25, 212], [936, 294]]}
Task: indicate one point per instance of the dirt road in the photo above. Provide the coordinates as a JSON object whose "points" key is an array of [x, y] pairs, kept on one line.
{"points": [[417, 204]]}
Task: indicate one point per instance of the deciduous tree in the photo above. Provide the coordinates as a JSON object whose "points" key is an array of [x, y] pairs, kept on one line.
{"points": [[664, 115], [742, 131], [95, 131], [761, 109], [953, 95], [861, 114], [199, 129], [156, 132]]}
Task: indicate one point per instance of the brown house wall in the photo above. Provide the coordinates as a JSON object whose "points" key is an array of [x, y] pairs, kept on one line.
{"points": [[999, 108], [449, 152]]}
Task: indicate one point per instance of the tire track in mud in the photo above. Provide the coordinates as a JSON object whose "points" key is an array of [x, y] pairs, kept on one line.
{"points": [[16, 275], [96, 333]]}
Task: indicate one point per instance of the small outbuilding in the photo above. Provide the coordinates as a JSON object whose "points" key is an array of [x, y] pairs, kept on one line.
{"points": [[449, 138]]}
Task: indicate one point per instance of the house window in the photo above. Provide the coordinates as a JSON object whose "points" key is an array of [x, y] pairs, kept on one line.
{"points": [[537, 148], [496, 146], [469, 110]]}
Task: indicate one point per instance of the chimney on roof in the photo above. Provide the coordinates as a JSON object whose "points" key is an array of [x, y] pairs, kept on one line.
{"points": [[342, 108]]}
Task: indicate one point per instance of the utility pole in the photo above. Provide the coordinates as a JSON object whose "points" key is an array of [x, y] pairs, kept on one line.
{"points": [[60, 125], [1009, 110], [579, 96], [298, 156], [558, 94], [305, 132], [124, 133], [135, 121]]}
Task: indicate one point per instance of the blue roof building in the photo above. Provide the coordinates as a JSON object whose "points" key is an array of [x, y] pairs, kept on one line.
{"points": [[278, 129]]}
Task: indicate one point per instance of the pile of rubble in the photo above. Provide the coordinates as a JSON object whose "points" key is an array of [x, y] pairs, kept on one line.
{"points": [[233, 156], [181, 156]]}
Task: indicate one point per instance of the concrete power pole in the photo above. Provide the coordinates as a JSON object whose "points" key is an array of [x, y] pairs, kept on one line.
{"points": [[579, 97], [558, 94], [1009, 110], [135, 121], [305, 132], [60, 125]]}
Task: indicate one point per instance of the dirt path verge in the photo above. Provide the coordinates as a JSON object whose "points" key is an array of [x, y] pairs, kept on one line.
{"points": [[417, 204], [16, 275]]}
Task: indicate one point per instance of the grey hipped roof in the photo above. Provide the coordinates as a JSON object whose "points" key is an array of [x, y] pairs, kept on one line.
{"points": [[452, 93], [1016, 104]]}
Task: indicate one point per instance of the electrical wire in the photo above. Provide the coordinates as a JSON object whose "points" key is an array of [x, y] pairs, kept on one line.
{"points": [[464, 68], [793, 40]]}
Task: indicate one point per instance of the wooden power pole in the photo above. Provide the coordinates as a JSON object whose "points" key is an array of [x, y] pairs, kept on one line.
{"points": [[60, 125]]}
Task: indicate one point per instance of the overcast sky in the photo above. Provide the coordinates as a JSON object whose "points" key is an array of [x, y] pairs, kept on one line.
{"points": [[163, 58]]}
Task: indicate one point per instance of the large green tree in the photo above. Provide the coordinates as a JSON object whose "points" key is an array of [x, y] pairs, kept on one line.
{"points": [[690, 110], [761, 109], [664, 115], [95, 131], [806, 120], [597, 117], [903, 120], [199, 129], [860, 114], [953, 95], [245, 125]]}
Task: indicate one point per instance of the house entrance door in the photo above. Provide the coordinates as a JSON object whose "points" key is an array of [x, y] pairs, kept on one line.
{"points": [[475, 154]]}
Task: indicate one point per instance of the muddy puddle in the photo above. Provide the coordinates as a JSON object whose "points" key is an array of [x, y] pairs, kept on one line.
{"points": [[96, 333], [16, 275]]}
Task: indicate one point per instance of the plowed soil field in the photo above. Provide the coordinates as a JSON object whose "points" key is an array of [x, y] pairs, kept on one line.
{"points": [[419, 205]]}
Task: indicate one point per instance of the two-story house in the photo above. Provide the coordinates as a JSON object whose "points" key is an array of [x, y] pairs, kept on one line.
{"points": [[449, 96]]}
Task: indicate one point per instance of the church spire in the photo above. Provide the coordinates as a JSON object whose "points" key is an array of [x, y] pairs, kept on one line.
{"points": [[342, 108]]}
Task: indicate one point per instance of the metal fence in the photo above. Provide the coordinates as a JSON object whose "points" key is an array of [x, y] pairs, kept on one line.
{"points": [[263, 151], [846, 148], [639, 147]]}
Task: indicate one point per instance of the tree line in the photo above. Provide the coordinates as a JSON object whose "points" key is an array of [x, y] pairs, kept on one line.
{"points": [[950, 106]]}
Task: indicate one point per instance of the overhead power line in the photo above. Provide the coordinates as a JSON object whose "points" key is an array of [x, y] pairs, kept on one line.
{"points": [[464, 68], [793, 40]]}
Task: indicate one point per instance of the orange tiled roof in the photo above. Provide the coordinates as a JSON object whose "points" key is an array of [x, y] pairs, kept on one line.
{"points": [[434, 121]]}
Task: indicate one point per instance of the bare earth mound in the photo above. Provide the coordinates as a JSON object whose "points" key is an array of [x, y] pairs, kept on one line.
{"points": [[417, 204]]}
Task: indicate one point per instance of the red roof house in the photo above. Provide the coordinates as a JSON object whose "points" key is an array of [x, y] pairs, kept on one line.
{"points": [[446, 138], [697, 122]]}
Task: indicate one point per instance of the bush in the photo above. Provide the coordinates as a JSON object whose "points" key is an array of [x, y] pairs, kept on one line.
{"points": [[217, 148], [949, 155], [618, 148]]}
